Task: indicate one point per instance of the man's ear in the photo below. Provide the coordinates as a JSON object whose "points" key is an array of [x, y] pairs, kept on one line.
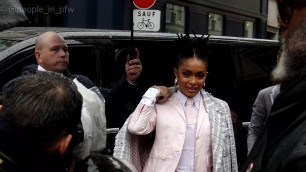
{"points": [[64, 144], [37, 56]]}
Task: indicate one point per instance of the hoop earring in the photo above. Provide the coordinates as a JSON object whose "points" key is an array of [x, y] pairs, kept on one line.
{"points": [[175, 82], [204, 86]]}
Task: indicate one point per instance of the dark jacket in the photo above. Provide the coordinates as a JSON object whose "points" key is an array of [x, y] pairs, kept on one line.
{"points": [[282, 147], [8, 152], [261, 108], [18, 153]]}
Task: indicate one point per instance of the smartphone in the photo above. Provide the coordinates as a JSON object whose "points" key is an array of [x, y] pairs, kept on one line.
{"points": [[124, 52], [132, 52]]}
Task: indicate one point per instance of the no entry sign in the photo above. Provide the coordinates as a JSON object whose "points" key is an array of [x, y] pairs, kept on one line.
{"points": [[144, 4]]}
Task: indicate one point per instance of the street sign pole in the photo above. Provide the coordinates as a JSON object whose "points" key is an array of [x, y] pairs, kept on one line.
{"points": [[132, 52], [131, 20]]}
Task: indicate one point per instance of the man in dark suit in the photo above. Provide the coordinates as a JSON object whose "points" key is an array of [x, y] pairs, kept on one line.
{"points": [[282, 145]]}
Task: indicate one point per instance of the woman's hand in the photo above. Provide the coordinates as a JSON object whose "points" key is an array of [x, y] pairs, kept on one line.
{"points": [[164, 93]]}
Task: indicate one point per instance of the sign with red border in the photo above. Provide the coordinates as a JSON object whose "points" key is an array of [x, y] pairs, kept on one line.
{"points": [[144, 4]]}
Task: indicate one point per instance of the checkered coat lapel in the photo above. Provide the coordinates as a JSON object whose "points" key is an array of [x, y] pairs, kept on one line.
{"points": [[222, 134]]}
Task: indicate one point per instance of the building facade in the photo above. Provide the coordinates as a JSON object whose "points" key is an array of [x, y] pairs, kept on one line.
{"points": [[272, 24], [242, 18]]}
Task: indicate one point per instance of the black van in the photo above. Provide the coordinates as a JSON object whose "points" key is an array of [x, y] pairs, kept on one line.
{"points": [[238, 67]]}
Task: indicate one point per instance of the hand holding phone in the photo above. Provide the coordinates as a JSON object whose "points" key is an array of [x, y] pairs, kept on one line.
{"points": [[133, 66], [132, 52]]}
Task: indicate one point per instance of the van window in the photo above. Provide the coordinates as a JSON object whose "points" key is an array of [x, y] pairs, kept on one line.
{"points": [[93, 58], [255, 66], [83, 61], [221, 69], [12, 67]]}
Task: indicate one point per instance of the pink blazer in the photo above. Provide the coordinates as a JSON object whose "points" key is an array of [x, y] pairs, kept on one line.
{"points": [[169, 122]]}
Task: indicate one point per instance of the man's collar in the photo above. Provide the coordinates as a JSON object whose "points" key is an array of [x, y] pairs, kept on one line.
{"points": [[39, 68]]}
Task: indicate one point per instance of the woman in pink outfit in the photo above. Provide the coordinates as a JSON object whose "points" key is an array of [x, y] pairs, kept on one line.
{"points": [[196, 136]]}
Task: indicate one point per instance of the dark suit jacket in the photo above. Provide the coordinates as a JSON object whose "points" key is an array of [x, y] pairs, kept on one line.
{"points": [[261, 109]]}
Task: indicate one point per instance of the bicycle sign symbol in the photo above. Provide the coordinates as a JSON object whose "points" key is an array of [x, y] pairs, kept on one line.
{"points": [[145, 23], [146, 20]]}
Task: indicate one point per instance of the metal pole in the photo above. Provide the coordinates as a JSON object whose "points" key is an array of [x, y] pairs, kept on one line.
{"points": [[132, 22], [132, 48]]}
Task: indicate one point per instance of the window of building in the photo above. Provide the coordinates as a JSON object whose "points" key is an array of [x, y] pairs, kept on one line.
{"points": [[248, 29], [175, 18], [215, 24]]}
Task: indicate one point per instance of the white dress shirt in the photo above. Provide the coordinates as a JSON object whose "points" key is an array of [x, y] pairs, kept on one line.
{"points": [[186, 162]]}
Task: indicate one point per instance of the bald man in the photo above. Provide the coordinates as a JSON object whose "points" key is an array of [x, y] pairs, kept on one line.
{"points": [[51, 52], [52, 55]]}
